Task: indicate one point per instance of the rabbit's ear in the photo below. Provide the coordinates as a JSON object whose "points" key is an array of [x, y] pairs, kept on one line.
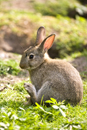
{"points": [[40, 35], [47, 43]]}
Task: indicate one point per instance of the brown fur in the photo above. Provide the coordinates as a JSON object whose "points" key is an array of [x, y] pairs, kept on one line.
{"points": [[50, 78]]}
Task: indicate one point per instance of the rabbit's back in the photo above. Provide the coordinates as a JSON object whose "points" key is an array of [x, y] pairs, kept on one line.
{"points": [[53, 70], [63, 77]]}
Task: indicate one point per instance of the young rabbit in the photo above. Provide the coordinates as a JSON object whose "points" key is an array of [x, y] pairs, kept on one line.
{"points": [[50, 77]]}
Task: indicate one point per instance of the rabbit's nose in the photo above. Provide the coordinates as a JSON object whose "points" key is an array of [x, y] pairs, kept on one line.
{"points": [[23, 65]]}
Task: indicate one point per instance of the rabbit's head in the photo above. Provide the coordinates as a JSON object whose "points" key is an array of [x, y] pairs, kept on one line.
{"points": [[34, 55]]}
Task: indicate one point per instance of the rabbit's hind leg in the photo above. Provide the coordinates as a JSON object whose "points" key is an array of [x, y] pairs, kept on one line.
{"points": [[48, 91]]}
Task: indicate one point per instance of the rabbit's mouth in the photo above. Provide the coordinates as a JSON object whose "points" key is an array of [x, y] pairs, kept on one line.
{"points": [[30, 68]]}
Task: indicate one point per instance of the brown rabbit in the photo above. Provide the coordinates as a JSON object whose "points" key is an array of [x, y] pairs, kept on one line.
{"points": [[50, 77]]}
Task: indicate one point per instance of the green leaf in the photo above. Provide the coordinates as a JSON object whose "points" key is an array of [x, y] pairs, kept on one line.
{"points": [[4, 125], [63, 114], [77, 126], [21, 108], [45, 111], [14, 117], [63, 107], [2, 128], [37, 104], [49, 101], [41, 108], [55, 106], [54, 100], [22, 119]]}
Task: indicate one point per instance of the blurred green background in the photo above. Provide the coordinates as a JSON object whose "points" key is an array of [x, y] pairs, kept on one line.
{"points": [[19, 21]]}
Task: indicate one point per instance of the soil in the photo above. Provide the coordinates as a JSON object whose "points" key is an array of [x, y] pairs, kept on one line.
{"points": [[18, 4]]}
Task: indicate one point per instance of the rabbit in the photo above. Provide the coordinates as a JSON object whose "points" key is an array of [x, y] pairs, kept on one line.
{"points": [[51, 78]]}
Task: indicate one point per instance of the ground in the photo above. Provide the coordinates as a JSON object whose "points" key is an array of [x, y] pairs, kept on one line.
{"points": [[12, 79]]}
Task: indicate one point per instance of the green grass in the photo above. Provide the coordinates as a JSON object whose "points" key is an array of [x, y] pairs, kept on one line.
{"points": [[71, 34], [15, 115], [53, 8], [9, 67]]}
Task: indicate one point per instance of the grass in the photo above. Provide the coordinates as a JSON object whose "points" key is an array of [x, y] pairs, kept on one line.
{"points": [[53, 8], [71, 34], [9, 67], [14, 114]]}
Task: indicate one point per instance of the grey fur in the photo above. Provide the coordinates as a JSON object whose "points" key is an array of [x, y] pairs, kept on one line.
{"points": [[50, 77]]}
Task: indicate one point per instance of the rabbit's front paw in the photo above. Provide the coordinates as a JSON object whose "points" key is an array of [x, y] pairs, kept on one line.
{"points": [[29, 88], [29, 101]]}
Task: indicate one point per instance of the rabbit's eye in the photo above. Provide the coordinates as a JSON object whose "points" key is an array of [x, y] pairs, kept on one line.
{"points": [[31, 56]]}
